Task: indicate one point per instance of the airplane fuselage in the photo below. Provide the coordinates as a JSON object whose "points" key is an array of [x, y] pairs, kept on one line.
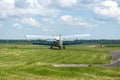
{"points": [[58, 43]]}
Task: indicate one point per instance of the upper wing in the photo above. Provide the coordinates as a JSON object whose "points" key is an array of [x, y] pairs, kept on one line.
{"points": [[74, 37], [67, 37], [39, 37]]}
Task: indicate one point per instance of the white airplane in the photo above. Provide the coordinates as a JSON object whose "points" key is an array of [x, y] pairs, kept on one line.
{"points": [[57, 40]]}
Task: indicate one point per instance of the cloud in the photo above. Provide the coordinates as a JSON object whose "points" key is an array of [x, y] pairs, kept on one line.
{"points": [[45, 30], [49, 20], [45, 2], [76, 4], [17, 25], [19, 8], [67, 3], [37, 7], [31, 21], [6, 8], [107, 10], [76, 21], [1, 25], [10, 1], [87, 4]]}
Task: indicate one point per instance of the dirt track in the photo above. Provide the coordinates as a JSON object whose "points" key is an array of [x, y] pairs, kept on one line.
{"points": [[115, 55]]}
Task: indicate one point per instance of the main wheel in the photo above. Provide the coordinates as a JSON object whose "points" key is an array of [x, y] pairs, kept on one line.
{"points": [[51, 47], [59, 47], [63, 47]]}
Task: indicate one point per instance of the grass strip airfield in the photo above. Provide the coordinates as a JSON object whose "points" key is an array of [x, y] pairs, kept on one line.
{"points": [[35, 62]]}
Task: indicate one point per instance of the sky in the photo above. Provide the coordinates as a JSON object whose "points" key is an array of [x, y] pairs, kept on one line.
{"points": [[99, 18]]}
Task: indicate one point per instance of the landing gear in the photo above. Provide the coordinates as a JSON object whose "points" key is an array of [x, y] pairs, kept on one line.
{"points": [[51, 47], [57, 47], [63, 47]]}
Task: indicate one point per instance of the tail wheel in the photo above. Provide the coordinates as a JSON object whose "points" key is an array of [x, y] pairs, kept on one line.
{"points": [[51, 47]]}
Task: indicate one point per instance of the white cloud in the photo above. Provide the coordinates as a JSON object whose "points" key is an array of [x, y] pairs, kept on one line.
{"points": [[107, 10], [10, 1], [11, 8], [45, 29], [35, 8], [31, 21], [6, 8], [49, 20], [87, 4], [45, 2], [109, 3], [67, 3], [1, 25], [17, 25], [76, 21]]}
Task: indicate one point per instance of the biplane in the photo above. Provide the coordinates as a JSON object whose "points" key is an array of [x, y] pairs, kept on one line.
{"points": [[56, 41]]}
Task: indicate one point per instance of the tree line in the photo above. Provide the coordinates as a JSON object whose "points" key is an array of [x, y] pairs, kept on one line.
{"points": [[42, 42]]}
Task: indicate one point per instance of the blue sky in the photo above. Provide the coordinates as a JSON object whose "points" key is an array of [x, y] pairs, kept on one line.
{"points": [[100, 18]]}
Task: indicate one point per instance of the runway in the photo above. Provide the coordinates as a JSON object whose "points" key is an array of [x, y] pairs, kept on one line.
{"points": [[115, 55]]}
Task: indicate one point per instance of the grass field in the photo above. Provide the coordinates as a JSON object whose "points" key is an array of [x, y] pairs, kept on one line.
{"points": [[30, 62]]}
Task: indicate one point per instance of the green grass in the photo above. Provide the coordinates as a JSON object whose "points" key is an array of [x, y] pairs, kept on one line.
{"points": [[30, 62]]}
